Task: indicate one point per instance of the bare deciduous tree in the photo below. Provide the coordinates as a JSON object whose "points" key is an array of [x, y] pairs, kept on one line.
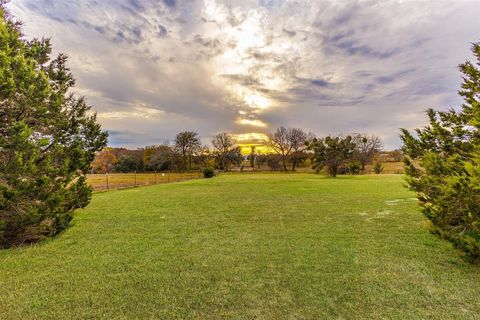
{"points": [[252, 157], [280, 142], [286, 142], [187, 143], [367, 146], [204, 156], [297, 138], [224, 146]]}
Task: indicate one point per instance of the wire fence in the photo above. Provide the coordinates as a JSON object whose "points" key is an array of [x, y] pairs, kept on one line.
{"points": [[111, 181]]}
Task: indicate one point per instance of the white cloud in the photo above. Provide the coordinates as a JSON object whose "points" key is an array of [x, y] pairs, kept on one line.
{"points": [[153, 69]]}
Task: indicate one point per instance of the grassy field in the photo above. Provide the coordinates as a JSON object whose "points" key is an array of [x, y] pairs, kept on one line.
{"points": [[102, 182], [263, 246], [389, 168], [125, 180]]}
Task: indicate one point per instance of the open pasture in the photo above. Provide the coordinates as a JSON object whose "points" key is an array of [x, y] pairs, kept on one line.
{"points": [[263, 246], [109, 181]]}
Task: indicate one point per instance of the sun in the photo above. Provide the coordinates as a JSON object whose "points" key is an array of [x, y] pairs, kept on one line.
{"points": [[256, 101], [252, 139]]}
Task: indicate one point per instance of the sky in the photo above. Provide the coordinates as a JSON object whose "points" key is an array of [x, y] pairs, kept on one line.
{"points": [[153, 68]]}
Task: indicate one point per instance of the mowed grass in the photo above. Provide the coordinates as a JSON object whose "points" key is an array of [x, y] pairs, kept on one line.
{"points": [[260, 246]]}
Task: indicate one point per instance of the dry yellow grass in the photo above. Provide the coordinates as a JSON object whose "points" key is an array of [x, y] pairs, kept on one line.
{"points": [[101, 182], [126, 180], [389, 168]]}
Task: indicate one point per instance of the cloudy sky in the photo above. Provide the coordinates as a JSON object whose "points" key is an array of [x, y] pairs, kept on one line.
{"points": [[152, 68]]}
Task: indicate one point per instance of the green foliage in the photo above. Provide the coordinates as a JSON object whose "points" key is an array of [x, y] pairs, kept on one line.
{"points": [[378, 168], [443, 166], [355, 167], [331, 152], [126, 163], [208, 173], [298, 158], [48, 139]]}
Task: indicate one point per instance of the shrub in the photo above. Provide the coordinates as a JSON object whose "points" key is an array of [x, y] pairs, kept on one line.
{"points": [[208, 173], [274, 162], [378, 168], [355, 167]]}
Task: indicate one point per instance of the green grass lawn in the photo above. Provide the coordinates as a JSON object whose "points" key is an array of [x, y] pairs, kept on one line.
{"points": [[262, 246]]}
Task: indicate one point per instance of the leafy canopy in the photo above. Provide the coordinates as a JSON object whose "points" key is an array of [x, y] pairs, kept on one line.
{"points": [[332, 152]]}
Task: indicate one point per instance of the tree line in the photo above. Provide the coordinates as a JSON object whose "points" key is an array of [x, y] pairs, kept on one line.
{"points": [[288, 149]]}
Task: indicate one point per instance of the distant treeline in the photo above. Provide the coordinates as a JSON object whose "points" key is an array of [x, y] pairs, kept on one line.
{"points": [[289, 149]]}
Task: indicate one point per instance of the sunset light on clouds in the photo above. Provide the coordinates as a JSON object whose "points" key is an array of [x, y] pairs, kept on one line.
{"points": [[154, 68]]}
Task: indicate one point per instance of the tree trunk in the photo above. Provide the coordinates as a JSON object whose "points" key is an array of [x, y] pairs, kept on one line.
{"points": [[334, 171], [184, 160]]}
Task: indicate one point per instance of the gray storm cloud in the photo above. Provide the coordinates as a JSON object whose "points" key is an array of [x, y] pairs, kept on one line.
{"points": [[154, 68]]}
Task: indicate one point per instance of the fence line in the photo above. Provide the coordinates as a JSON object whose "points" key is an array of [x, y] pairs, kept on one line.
{"points": [[110, 181]]}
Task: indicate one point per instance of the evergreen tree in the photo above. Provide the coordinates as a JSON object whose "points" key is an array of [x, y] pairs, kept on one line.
{"points": [[48, 139], [331, 152], [443, 165]]}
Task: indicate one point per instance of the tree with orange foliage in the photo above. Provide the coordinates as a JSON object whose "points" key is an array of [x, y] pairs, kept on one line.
{"points": [[104, 161]]}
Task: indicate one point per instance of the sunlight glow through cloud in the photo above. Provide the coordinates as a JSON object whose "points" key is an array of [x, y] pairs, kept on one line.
{"points": [[151, 69], [138, 112], [252, 122]]}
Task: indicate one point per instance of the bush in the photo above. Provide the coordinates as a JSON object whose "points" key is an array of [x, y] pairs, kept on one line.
{"points": [[378, 168], [355, 167], [208, 173], [274, 162]]}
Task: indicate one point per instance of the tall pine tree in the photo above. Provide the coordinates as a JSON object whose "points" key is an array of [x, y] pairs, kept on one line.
{"points": [[443, 165], [48, 139]]}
